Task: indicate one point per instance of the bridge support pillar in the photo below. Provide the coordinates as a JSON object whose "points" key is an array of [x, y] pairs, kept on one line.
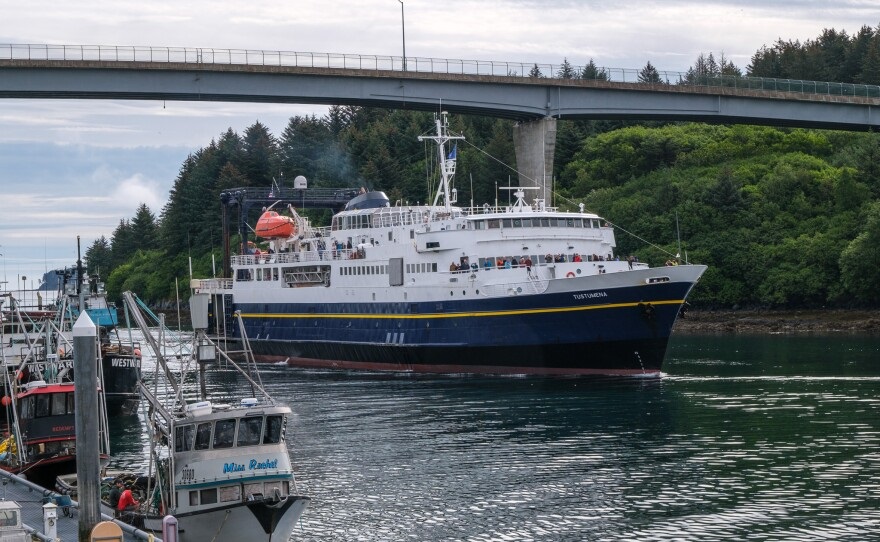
{"points": [[535, 144]]}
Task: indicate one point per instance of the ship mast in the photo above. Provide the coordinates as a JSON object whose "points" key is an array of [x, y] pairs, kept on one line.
{"points": [[447, 162]]}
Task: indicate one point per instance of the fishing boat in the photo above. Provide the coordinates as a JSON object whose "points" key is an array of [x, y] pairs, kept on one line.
{"points": [[120, 354], [39, 421], [522, 288], [220, 463]]}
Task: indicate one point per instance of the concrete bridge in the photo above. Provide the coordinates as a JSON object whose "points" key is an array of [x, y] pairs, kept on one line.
{"points": [[491, 88]]}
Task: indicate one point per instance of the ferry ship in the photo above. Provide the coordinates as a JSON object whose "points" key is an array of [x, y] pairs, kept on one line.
{"points": [[518, 289]]}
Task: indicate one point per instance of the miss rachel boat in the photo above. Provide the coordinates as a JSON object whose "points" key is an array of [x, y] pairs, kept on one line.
{"points": [[524, 288], [220, 464]]}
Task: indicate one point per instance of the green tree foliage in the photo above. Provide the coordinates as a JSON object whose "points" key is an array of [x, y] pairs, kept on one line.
{"points": [[123, 245], [832, 56], [566, 71], [649, 74], [144, 229], [99, 259], [535, 72], [860, 260], [594, 73]]}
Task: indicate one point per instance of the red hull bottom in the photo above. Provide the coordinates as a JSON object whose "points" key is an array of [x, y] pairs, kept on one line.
{"points": [[451, 368]]}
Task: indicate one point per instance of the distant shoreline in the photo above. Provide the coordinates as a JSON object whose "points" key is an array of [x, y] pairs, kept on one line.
{"points": [[779, 321]]}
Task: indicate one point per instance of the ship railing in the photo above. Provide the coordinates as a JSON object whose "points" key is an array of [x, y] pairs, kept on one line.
{"points": [[210, 284], [501, 209], [304, 256]]}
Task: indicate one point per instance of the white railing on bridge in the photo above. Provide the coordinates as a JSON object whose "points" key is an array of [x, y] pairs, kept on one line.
{"points": [[506, 69]]}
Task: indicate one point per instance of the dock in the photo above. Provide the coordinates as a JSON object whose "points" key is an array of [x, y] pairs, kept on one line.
{"points": [[32, 497]]}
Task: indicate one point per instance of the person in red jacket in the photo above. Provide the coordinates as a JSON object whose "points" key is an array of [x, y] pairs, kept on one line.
{"points": [[126, 501]]}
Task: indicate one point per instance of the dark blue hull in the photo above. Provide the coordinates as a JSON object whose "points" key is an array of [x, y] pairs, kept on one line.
{"points": [[613, 331]]}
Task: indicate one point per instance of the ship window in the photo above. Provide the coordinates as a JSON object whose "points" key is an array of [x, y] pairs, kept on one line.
{"points": [[494, 224], [272, 434], [230, 493], [59, 403], [275, 273], [479, 225], [545, 222], [432, 244], [193, 498], [506, 222], [209, 496], [203, 436], [253, 489], [570, 222], [271, 487], [249, 431], [412, 234], [224, 432], [183, 438], [70, 403], [595, 222], [42, 406], [389, 236], [517, 223], [527, 223], [27, 407]]}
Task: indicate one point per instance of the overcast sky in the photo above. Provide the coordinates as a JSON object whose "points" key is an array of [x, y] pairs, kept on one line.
{"points": [[71, 168]]}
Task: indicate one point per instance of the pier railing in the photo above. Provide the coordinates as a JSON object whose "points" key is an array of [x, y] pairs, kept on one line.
{"points": [[523, 71]]}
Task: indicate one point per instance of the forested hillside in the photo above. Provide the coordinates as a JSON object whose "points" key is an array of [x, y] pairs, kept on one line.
{"points": [[783, 217]]}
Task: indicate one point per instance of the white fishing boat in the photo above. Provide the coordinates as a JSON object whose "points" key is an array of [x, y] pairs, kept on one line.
{"points": [[221, 464], [522, 288]]}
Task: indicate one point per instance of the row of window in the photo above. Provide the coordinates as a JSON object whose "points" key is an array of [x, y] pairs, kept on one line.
{"points": [[544, 222], [234, 493], [364, 221], [46, 404], [353, 270], [252, 431]]}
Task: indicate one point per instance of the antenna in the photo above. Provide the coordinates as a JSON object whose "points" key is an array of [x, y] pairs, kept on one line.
{"points": [[678, 235]]}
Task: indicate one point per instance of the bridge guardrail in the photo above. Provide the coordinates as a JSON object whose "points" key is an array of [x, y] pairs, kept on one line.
{"points": [[513, 70]]}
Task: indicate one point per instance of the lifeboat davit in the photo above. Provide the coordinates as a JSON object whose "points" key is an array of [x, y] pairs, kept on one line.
{"points": [[272, 225]]}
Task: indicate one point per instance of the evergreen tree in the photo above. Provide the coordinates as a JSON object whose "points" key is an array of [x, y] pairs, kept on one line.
{"points": [[594, 73], [535, 72], [122, 244], [99, 259], [144, 230], [869, 72], [649, 74], [566, 71], [259, 161]]}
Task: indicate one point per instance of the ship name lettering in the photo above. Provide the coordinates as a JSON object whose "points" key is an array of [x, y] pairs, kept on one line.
{"points": [[232, 467], [262, 465], [124, 363], [62, 428], [590, 295]]}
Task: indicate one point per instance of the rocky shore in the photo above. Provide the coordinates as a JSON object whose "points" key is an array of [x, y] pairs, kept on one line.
{"points": [[770, 321]]}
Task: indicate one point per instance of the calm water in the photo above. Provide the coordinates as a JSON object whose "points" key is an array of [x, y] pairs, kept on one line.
{"points": [[760, 438]]}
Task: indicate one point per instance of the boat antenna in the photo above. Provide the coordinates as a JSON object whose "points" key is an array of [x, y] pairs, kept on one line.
{"points": [[447, 161], [678, 235], [79, 278]]}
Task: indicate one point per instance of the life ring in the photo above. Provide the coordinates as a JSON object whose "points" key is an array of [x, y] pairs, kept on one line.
{"points": [[569, 275]]}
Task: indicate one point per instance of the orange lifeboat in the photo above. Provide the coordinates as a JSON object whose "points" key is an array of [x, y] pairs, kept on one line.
{"points": [[272, 225]]}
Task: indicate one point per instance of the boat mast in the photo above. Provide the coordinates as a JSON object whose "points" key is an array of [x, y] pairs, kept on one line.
{"points": [[447, 161]]}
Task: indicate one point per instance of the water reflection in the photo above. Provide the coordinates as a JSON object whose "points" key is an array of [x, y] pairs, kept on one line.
{"points": [[738, 440]]}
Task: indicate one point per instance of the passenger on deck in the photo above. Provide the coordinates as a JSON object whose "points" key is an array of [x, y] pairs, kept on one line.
{"points": [[577, 258]]}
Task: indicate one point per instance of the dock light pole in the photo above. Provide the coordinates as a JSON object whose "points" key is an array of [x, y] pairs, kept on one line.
{"points": [[403, 33]]}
